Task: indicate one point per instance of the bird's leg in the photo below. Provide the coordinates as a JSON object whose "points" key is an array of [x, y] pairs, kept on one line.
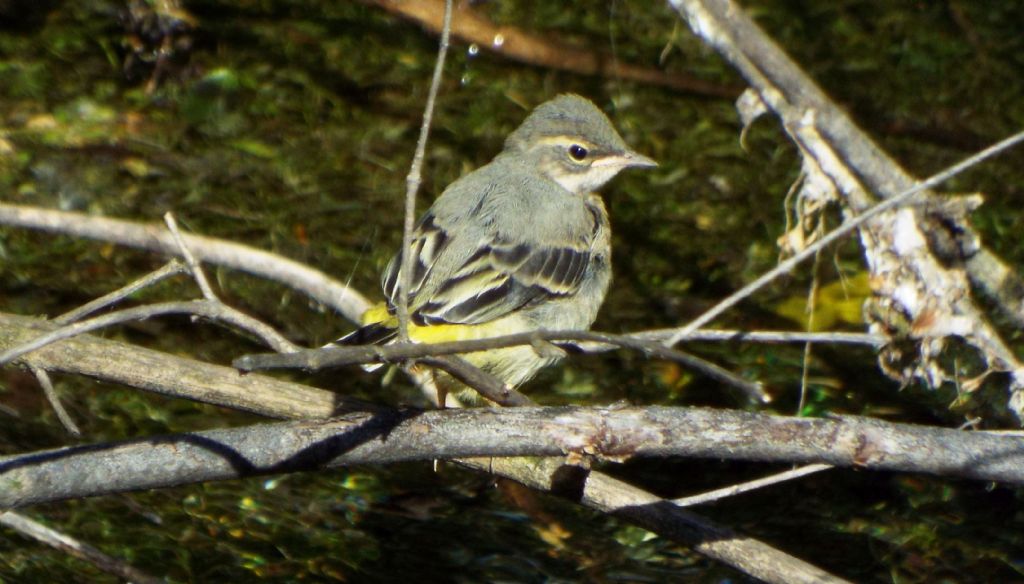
{"points": [[547, 350], [440, 389]]}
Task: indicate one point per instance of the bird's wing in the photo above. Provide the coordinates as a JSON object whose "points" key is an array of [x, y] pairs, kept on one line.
{"points": [[498, 278], [429, 241]]}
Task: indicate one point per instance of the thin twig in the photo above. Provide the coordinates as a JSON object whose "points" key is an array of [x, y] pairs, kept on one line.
{"points": [[337, 356], [737, 336], [316, 284], [51, 396], [748, 486], [846, 228], [171, 268], [211, 309], [69, 545], [190, 260], [174, 376], [647, 342], [812, 307], [412, 181]]}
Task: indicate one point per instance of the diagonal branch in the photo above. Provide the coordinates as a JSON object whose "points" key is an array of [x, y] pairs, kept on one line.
{"points": [[51, 396], [517, 44], [747, 486], [848, 226], [913, 289], [69, 545], [171, 268], [154, 237]]}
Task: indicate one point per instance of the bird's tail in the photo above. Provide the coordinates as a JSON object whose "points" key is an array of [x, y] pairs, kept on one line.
{"points": [[376, 333], [371, 333]]}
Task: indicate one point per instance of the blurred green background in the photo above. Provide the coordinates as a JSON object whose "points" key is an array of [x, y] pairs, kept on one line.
{"points": [[290, 126]]}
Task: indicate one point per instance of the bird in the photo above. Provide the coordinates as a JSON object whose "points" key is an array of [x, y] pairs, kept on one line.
{"points": [[522, 243]]}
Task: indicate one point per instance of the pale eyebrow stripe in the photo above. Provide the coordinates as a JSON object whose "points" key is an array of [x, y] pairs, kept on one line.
{"points": [[565, 140]]}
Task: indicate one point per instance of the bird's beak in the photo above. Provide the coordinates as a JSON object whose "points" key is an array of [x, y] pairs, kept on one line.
{"points": [[627, 159], [639, 160]]}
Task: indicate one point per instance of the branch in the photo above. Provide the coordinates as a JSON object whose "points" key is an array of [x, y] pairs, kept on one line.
{"points": [[337, 356], [167, 375], [171, 268], [172, 376], [73, 547], [747, 486], [848, 227], [479, 380], [735, 336], [516, 44], [408, 435], [190, 260], [909, 283], [154, 237], [609, 495], [211, 309], [51, 396]]}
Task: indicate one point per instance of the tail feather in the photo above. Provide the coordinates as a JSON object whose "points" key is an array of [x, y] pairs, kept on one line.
{"points": [[371, 334]]}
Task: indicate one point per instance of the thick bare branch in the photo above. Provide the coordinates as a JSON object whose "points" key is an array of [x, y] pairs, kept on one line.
{"points": [[604, 433], [172, 376]]}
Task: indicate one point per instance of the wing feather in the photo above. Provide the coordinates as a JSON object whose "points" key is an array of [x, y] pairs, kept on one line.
{"points": [[497, 278], [429, 242], [503, 279]]}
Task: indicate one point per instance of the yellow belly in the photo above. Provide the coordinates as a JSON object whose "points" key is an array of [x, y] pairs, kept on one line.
{"points": [[513, 365]]}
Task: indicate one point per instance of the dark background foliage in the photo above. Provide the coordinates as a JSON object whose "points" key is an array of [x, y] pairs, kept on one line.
{"points": [[290, 126]]}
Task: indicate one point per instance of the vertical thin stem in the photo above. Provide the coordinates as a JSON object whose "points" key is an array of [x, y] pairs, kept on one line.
{"points": [[412, 181], [812, 307]]}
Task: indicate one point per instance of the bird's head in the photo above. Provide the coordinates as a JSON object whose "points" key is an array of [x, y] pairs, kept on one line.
{"points": [[573, 143]]}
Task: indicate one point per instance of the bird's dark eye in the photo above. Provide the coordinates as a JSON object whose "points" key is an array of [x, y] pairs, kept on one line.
{"points": [[577, 152]]}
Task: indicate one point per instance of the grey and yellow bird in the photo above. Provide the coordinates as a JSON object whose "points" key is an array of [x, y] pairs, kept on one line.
{"points": [[520, 244]]}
